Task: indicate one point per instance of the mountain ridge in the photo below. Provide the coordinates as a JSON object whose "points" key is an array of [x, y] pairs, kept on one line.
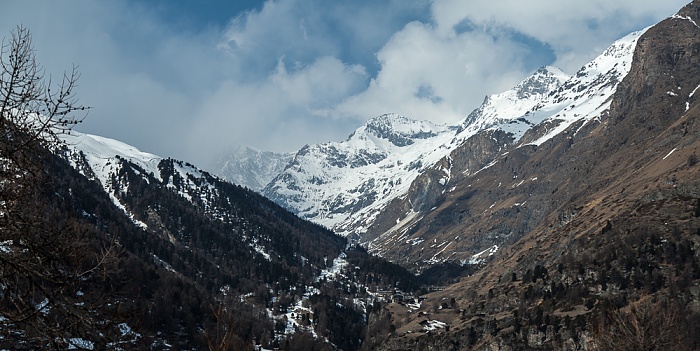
{"points": [[374, 202], [336, 182], [504, 134]]}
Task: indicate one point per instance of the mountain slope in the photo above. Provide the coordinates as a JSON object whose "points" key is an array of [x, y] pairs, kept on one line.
{"points": [[343, 185], [552, 99], [506, 129], [598, 226], [286, 280], [223, 239]]}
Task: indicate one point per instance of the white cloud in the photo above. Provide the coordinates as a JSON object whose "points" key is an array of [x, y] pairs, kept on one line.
{"points": [[303, 30], [427, 74], [319, 86], [576, 30], [287, 108], [460, 66]]}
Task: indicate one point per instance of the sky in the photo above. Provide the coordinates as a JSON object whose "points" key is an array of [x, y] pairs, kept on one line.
{"points": [[191, 79]]}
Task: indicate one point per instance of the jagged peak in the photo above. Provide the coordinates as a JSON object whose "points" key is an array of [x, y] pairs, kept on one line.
{"points": [[388, 118], [251, 167], [398, 130], [544, 80], [243, 152], [390, 121], [550, 70], [550, 86], [519, 99]]}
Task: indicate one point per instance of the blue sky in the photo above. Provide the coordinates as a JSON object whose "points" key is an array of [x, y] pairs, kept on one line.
{"points": [[190, 79]]}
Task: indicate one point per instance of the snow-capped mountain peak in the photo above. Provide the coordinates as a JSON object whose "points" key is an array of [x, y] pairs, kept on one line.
{"points": [[101, 153], [342, 185], [551, 95], [345, 185], [251, 168], [400, 131], [541, 82], [516, 102]]}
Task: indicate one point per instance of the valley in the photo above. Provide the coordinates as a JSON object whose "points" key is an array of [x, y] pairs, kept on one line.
{"points": [[562, 214]]}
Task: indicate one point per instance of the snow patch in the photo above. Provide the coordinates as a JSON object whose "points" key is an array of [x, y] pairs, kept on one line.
{"points": [[694, 91], [336, 269], [80, 343], [669, 154], [687, 18], [481, 257], [432, 325]]}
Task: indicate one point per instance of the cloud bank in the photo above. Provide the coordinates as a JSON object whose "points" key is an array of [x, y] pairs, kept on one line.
{"points": [[294, 72]]}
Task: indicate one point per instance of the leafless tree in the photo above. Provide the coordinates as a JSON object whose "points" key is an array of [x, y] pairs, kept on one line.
{"points": [[48, 260], [220, 336], [644, 325], [33, 109]]}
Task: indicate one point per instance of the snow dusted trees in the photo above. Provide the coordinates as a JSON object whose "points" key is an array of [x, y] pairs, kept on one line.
{"points": [[47, 259]]}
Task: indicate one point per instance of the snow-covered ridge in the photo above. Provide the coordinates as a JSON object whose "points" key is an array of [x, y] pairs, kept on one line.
{"points": [[345, 185], [559, 98], [399, 130], [101, 152], [100, 158], [101, 155], [514, 103]]}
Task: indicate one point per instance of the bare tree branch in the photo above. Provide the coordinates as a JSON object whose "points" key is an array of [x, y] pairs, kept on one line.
{"points": [[47, 260]]}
